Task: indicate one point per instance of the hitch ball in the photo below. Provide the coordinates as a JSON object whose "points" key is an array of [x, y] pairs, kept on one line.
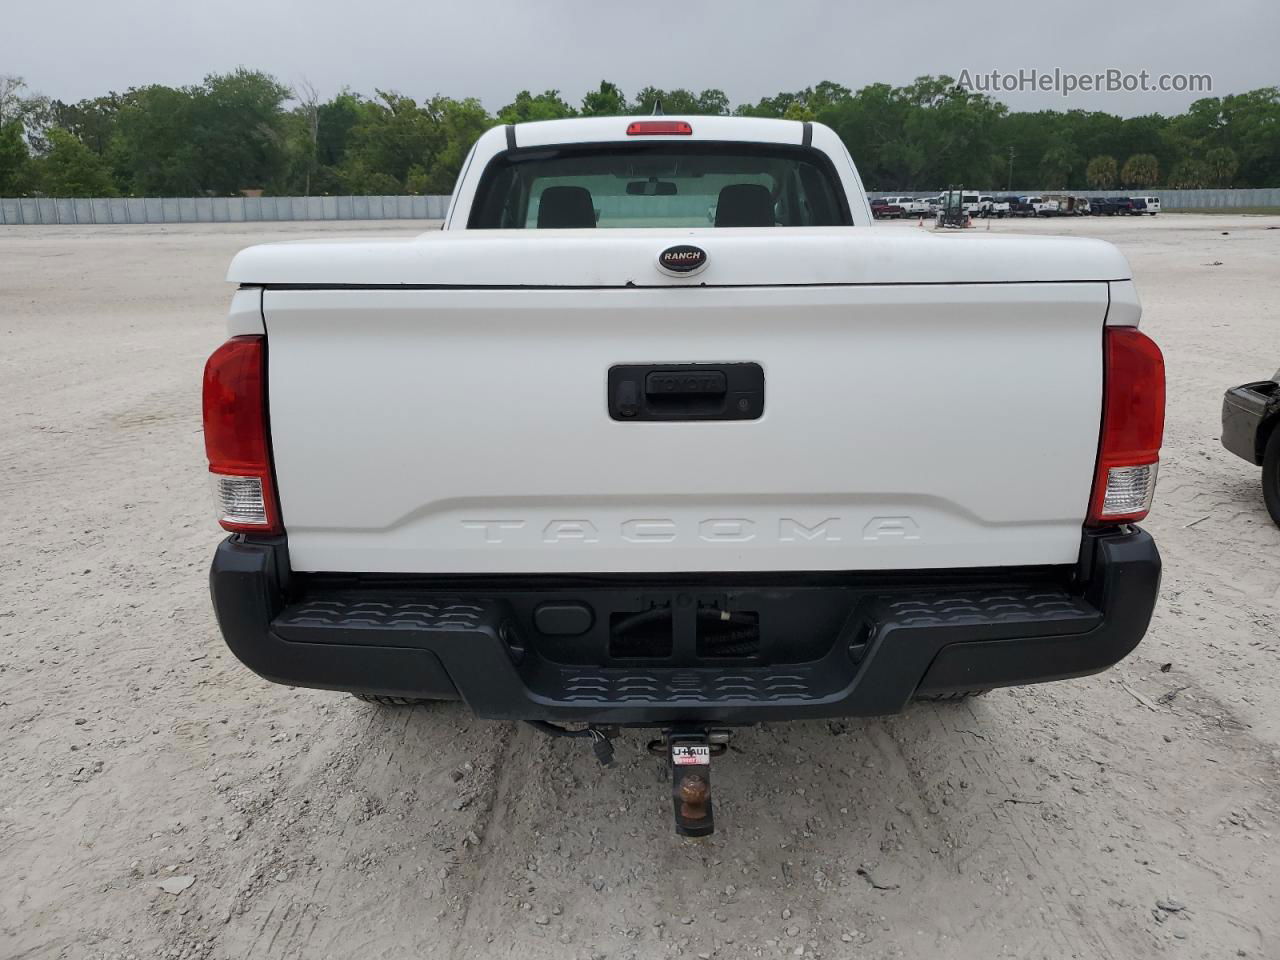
{"points": [[694, 794]]}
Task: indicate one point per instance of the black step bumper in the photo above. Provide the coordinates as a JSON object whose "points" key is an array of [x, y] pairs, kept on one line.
{"points": [[1244, 410], [889, 643]]}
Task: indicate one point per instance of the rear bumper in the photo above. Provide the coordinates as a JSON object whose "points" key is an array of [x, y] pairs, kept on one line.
{"points": [[1244, 410], [888, 643]]}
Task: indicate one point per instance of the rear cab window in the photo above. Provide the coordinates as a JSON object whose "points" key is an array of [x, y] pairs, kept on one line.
{"points": [[659, 184]]}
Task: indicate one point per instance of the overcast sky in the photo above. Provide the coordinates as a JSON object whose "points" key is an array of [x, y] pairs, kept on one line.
{"points": [[71, 49]]}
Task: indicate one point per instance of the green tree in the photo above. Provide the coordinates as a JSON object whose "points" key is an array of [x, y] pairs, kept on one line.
{"points": [[239, 131], [1221, 164], [774, 107], [825, 95], [392, 137], [334, 122], [70, 169], [1140, 170], [545, 106], [302, 168], [302, 137], [1188, 173], [11, 98], [712, 102], [1058, 165], [680, 101], [92, 121], [461, 122], [608, 101], [244, 129], [31, 110], [951, 131], [14, 159], [1143, 135], [1254, 124], [224, 135], [1102, 172], [872, 124], [154, 149], [814, 100]]}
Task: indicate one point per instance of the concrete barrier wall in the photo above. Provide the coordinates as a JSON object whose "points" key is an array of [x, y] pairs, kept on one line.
{"points": [[1169, 199], [105, 210]]}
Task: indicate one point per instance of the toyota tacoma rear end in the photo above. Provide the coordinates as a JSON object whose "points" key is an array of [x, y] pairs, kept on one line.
{"points": [[660, 430]]}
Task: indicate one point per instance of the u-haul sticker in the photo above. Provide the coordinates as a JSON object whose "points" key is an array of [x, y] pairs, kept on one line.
{"points": [[683, 756]]}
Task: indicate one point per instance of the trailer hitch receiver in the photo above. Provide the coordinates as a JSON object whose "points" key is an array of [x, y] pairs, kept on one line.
{"points": [[690, 752]]}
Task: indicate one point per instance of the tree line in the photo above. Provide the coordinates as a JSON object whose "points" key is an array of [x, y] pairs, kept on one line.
{"points": [[245, 130]]}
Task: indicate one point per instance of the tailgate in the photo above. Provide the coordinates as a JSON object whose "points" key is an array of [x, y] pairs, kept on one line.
{"points": [[904, 426]]}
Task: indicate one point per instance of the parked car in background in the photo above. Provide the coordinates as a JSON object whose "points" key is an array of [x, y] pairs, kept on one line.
{"points": [[911, 207], [1103, 206], [972, 203], [1124, 205], [931, 205], [1070, 206], [1151, 205], [997, 207], [882, 209], [1007, 204], [919, 207], [1251, 430], [1061, 203], [1037, 207]]}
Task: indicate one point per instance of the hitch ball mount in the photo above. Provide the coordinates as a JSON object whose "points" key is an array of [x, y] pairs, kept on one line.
{"points": [[688, 751], [689, 754]]}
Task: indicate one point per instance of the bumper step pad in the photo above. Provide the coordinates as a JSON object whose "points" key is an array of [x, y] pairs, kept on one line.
{"points": [[892, 645], [897, 639]]}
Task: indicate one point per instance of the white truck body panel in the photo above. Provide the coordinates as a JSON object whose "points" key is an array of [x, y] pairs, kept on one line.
{"points": [[448, 431], [439, 404], [735, 257]]}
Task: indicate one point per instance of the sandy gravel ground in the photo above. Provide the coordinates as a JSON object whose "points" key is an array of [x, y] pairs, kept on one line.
{"points": [[1131, 815]]}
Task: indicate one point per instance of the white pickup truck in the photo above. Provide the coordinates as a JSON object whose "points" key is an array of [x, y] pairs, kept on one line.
{"points": [[994, 206], [1037, 207], [911, 207], [579, 457]]}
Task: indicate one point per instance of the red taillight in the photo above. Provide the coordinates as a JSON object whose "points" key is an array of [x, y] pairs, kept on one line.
{"points": [[235, 436], [1132, 427], [659, 128]]}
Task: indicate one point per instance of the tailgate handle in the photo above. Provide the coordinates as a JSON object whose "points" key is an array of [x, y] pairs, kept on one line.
{"points": [[686, 391]]}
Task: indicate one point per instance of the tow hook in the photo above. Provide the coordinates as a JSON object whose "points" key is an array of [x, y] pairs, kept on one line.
{"points": [[689, 753]]}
